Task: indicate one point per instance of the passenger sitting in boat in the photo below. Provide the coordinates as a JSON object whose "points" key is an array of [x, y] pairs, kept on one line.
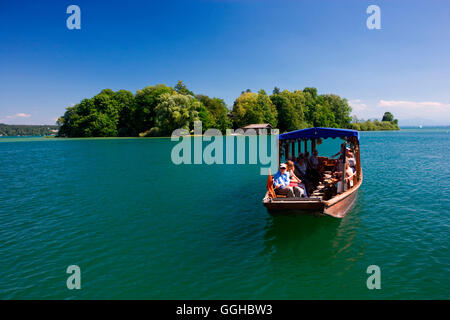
{"points": [[295, 182], [349, 175], [338, 168], [314, 172], [349, 179], [281, 182], [313, 160], [300, 166], [300, 170], [306, 157], [351, 159], [349, 153]]}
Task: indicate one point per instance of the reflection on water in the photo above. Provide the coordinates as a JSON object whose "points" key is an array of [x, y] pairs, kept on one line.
{"points": [[298, 236], [298, 229], [301, 237], [315, 253]]}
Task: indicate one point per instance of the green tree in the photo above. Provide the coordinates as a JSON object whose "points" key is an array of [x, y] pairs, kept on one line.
{"points": [[218, 111], [66, 122], [323, 117], [267, 108], [287, 119], [290, 107], [175, 111], [242, 109], [388, 117], [276, 90], [127, 106], [146, 101], [182, 89], [339, 108], [96, 117], [254, 108], [205, 117], [310, 95], [101, 115]]}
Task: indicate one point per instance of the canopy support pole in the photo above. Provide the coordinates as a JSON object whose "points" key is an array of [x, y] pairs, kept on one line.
{"points": [[286, 148], [344, 160], [358, 161], [293, 148], [279, 153]]}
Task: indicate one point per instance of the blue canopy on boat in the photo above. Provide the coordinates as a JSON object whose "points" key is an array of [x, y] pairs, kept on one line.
{"points": [[314, 133]]}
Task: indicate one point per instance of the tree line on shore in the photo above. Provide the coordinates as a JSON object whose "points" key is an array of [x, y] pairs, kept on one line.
{"points": [[387, 123], [375, 125], [26, 130], [158, 110]]}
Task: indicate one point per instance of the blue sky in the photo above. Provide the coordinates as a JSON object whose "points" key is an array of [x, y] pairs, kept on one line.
{"points": [[222, 47]]}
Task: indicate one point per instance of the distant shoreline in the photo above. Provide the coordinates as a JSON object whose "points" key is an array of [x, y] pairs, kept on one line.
{"points": [[56, 138], [165, 137]]}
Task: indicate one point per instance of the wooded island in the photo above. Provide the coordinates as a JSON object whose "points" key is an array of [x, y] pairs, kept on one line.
{"points": [[158, 110]]}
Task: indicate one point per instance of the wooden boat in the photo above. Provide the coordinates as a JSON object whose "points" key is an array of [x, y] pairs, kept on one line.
{"points": [[336, 205]]}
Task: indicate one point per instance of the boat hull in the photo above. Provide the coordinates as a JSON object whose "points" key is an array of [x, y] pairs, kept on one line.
{"points": [[336, 207], [337, 210], [294, 207], [342, 207]]}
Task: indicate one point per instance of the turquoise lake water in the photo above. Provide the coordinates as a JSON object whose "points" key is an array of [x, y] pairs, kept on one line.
{"points": [[140, 227]]}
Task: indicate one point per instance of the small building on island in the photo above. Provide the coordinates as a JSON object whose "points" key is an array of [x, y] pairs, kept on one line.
{"points": [[258, 127]]}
